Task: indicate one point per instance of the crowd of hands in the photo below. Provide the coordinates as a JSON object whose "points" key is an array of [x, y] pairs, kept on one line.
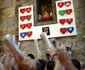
{"points": [[61, 59]]}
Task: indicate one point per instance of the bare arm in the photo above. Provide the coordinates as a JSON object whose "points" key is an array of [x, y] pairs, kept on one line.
{"points": [[22, 62], [65, 60]]}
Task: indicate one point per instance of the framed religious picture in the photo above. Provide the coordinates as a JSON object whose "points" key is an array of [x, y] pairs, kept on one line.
{"points": [[46, 29]]}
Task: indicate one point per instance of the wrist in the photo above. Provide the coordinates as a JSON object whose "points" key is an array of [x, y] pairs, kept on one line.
{"points": [[53, 56]]}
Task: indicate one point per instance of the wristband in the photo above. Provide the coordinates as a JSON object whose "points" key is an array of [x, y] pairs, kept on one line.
{"points": [[53, 56]]}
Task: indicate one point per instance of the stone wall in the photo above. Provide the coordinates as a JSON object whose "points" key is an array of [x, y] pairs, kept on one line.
{"points": [[9, 24]]}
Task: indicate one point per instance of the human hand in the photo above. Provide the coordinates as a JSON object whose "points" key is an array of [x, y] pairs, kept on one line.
{"points": [[65, 60], [62, 48], [63, 57], [51, 51], [23, 63]]}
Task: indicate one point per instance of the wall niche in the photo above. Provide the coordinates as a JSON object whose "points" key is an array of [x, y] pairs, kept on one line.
{"points": [[46, 11]]}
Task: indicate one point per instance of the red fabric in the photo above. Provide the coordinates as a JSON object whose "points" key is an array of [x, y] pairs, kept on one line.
{"points": [[45, 19]]}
